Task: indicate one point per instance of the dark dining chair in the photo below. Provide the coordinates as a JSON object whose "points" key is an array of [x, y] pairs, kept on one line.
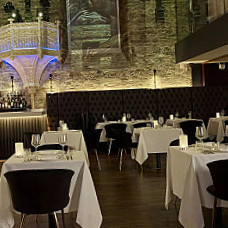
{"points": [[144, 124], [175, 142], [39, 191], [124, 142], [219, 189], [111, 132], [93, 143], [51, 147], [189, 129]]}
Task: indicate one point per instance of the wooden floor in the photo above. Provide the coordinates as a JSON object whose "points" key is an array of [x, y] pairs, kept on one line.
{"points": [[129, 198]]}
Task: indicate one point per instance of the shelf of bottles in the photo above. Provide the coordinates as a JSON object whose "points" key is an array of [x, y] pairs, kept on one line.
{"points": [[13, 102]]}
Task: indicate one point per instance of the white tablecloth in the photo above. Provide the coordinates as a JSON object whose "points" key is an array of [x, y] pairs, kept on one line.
{"points": [[216, 127], [154, 141], [83, 197], [129, 127], [176, 122], [74, 138], [187, 177]]}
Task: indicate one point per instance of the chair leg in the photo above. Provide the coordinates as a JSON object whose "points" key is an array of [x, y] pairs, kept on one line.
{"points": [[23, 218], [63, 218], [56, 220], [214, 213], [110, 146], [121, 159], [98, 161]]}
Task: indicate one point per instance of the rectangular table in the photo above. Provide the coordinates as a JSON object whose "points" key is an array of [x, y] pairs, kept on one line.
{"points": [[153, 140], [216, 127], [74, 138], [83, 198], [187, 177], [129, 127]]}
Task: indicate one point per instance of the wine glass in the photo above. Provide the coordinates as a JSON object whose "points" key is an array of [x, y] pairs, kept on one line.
{"points": [[128, 116], [150, 116], [160, 120], [200, 134], [190, 114], [176, 115], [35, 140], [222, 112], [62, 140], [226, 134]]}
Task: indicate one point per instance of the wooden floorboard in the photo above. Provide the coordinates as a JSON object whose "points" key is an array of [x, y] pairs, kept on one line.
{"points": [[129, 198]]}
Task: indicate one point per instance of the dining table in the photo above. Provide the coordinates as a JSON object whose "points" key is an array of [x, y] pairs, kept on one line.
{"points": [[153, 140], [83, 198], [187, 177], [216, 128], [129, 127], [75, 139]]}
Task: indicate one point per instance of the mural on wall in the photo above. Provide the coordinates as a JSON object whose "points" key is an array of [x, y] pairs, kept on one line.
{"points": [[93, 29]]}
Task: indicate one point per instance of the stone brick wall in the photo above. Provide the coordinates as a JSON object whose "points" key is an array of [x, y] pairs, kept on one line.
{"points": [[146, 46]]}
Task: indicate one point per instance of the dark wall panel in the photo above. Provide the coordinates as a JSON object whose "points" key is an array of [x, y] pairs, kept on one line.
{"points": [[105, 102], [52, 110], [139, 102], [174, 100], [71, 107], [207, 101]]}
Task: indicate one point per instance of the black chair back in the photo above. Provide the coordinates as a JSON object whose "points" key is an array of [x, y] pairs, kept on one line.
{"points": [[39, 191], [123, 139], [189, 128], [94, 137], [115, 128], [219, 173], [51, 147], [144, 124], [175, 142]]}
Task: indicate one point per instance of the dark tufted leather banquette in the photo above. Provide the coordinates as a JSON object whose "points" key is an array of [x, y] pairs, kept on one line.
{"points": [[139, 102], [206, 101], [174, 100], [84, 109]]}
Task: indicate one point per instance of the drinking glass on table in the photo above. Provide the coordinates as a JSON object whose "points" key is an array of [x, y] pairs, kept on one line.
{"points": [[128, 116], [226, 134], [160, 120], [200, 134], [222, 112], [62, 140], [35, 141]]}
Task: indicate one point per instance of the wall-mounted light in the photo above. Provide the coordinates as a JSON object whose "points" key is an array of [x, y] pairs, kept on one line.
{"points": [[40, 14], [222, 66], [12, 85], [50, 79], [14, 15], [155, 71]]}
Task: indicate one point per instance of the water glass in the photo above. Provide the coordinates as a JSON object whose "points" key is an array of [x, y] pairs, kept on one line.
{"points": [[27, 155], [160, 120]]}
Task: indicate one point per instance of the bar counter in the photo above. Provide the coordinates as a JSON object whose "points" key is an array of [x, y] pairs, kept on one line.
{"points": [[14, 126]]}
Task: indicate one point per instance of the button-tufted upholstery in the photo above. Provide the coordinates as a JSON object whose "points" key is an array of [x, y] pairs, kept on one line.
{"points": [[207, 101], [174, 100], [139, 102], [72, 106], [80, 109], [109, 103]]}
